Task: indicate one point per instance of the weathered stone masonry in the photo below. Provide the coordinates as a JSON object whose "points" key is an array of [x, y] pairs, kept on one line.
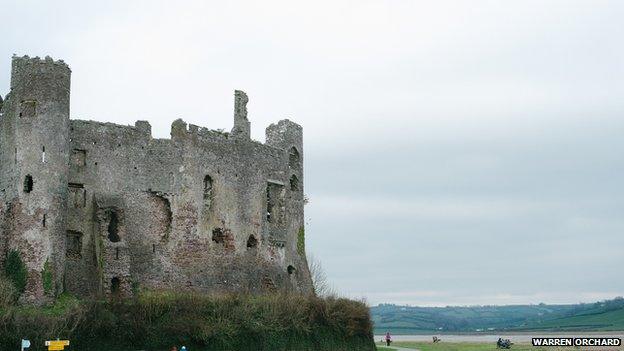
{"points": [[107, 209]]}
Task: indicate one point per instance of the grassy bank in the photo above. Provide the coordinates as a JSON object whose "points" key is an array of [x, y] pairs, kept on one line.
{"points": [[158, 320]]}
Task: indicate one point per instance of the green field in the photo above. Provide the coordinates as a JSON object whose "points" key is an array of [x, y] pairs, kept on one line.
{"points": [[605, 315], [474, 346], [610, 320]]}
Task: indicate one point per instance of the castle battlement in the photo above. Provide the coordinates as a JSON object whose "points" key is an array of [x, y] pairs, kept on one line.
{"points": [[96, 208]]}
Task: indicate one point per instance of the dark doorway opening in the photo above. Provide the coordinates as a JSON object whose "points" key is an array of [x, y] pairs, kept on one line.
{"points": [[115, 285]]}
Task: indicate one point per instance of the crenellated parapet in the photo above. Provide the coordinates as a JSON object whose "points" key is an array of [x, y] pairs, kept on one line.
{"points": [[284, 134], [36, 78]]}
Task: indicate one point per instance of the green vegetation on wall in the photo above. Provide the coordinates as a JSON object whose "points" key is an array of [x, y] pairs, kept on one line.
{"points": [[16, 271], [301, 241], [47, 277]]}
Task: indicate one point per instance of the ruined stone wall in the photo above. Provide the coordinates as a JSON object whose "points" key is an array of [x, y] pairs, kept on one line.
{"points": [[101, 209], [191, 210], [35, 142]]}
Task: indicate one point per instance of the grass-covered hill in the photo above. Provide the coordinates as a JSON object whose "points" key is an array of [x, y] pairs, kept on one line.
{"points": [[593, 319], [604, 315], [156, 321]]}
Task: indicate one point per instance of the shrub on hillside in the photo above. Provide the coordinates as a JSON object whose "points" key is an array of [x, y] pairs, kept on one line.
{"points": [[158, 320], [8, 293]]}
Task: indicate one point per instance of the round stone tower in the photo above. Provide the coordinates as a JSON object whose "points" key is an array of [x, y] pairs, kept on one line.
{"points": [[37, 114]]}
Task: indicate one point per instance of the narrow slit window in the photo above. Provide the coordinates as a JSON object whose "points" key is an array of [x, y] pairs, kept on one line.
{"points": [[43, 154], [207, 191], [43, 221], [294, 183], [293, 158], [269, 201], [28, 183], [113, 230]]}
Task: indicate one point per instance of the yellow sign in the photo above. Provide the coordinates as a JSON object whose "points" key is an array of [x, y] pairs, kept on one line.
{"points": [[56, 345]]}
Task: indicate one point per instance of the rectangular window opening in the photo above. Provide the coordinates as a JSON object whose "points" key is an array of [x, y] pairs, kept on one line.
{"points": [[73, 244], [78, 158], [77, 195], [275, 202]]}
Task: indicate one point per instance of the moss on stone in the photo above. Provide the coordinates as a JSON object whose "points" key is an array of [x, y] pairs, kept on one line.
{"points": [[16, 271], [47, 277], [136, 287], [301, 241]]}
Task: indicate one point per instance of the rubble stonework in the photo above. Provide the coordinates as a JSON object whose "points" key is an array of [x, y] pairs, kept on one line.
{"points": [[99, 209]]}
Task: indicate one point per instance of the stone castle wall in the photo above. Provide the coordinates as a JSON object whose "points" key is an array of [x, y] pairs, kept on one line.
{"points": [[204, 210]]}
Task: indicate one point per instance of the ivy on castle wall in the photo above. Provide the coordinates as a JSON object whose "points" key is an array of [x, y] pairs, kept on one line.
{"points": [[47, 277], [301, 241], [16, 271]]}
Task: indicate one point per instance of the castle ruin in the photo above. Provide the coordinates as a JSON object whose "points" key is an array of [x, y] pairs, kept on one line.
{"points": [[99, 209]]}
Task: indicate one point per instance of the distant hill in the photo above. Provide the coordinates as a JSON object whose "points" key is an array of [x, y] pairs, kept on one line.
{"points": [[603, 315], [599, 320]]}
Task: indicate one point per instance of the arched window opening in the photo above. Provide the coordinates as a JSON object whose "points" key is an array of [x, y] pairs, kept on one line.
{"points": [[294, 183], [252, 242], [291, 269], [113, 227], [218, 236], [28, 183], [115, 285], [293, 158]]}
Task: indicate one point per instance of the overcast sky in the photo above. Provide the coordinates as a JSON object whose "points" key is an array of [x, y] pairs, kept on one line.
{"points": [[456, 152]]}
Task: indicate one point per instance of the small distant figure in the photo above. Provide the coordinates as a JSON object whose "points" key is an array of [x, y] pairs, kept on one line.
{"points": [[173, 348], [183, 348], [503, 343], [436, 339], [388, 339]]}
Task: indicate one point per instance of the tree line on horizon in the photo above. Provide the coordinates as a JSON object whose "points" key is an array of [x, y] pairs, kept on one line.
{"points": [[414, 319]]}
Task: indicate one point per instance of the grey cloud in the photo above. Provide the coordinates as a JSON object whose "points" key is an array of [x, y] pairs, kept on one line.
{"points": [[455, 152]]}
